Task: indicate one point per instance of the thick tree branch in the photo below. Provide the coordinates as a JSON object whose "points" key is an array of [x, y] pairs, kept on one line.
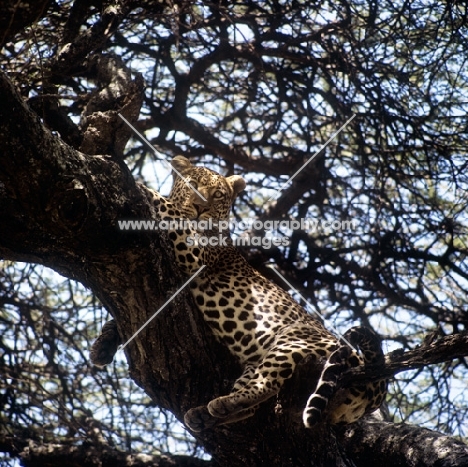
{"points": [[89, 454], [378, 443]]}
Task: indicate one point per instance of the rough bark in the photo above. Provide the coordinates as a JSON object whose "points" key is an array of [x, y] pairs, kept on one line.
{"points": [[393, 445], [33, 454], [60, 208]]}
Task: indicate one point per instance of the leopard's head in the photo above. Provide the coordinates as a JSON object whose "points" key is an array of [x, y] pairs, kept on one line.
{"points": [[190, 182]]}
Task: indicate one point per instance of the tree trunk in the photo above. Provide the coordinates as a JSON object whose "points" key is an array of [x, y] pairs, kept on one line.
{"points": [[60, 207]]}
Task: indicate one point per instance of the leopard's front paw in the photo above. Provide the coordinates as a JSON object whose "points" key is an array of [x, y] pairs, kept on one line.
{"points": [[221, 407], [199, 419]]}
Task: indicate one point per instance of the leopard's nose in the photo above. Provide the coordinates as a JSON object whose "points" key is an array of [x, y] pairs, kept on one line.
{"points": [[200, 209]]}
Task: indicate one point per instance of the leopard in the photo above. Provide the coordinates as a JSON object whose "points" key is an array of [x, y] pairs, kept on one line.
{"points": [[260, 323]]}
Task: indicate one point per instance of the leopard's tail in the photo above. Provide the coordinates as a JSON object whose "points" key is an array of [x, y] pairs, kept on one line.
{"points": [[106, 345], [368, 345]]}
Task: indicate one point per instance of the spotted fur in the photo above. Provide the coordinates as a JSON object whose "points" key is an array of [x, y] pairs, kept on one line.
{"points": [[258, 321], [342, 359]]}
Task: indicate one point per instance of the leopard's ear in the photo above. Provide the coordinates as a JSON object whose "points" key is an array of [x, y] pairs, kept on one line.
{"points": [[180, 164], [237, 183]]}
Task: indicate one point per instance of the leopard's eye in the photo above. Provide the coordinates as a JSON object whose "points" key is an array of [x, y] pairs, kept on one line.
{"points": [[193, 183], [218, 194]]}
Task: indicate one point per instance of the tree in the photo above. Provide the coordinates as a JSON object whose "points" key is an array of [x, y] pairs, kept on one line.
{"points": [[254, 88]]}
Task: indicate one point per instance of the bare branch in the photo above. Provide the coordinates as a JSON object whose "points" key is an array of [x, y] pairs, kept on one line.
{"points": [[434, 351]]}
